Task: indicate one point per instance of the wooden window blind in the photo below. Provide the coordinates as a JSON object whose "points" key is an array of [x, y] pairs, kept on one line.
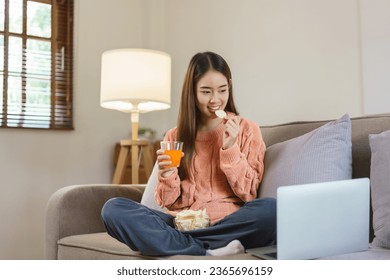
{"points": [[36, 42]]}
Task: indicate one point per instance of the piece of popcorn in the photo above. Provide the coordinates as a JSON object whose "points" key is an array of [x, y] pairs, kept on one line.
{"points": [[192, 219]]}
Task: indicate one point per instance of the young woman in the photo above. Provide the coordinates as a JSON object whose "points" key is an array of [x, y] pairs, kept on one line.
{"points": [[220, 171]]}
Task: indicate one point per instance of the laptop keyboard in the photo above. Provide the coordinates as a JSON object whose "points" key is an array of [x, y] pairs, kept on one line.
{"points": [[272, 255]]}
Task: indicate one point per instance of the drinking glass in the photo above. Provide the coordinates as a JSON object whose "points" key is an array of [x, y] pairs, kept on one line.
{"points": [[173, 149]]}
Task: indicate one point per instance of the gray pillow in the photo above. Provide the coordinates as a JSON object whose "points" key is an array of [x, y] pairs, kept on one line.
{"points": [[148, 196], [380, 187], [324, 154]]}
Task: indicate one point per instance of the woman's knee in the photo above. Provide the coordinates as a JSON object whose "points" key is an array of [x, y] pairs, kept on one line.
{"points": [[264, 209], [113, 208], [270, 205], [108, 209], [267, 204]]}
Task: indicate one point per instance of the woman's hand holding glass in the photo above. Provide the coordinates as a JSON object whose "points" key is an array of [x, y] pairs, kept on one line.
{"points": [[168, 157], [164, 164]]}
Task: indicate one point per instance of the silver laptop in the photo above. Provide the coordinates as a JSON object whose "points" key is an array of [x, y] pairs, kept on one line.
{"points": [[319, 220]]}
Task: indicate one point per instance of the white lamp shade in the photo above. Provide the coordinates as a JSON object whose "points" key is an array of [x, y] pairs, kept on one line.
{"points": [[135, 79]]}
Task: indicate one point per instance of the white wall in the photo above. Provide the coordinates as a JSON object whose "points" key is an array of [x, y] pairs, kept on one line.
{"points": [[375, 26], [291, 60]]}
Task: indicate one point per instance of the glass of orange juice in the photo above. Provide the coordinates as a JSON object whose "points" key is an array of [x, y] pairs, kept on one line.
{"points": [[172, 149]]}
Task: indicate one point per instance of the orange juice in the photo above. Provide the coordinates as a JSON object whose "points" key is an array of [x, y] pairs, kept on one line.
{"points": [[175, 157]]}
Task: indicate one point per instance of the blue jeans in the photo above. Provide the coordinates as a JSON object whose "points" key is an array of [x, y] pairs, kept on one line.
{"points": [[153, 233]]}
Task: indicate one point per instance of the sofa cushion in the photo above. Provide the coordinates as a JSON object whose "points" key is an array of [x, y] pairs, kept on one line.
{"points": [[380, 187], [370, 254], [94, 246], [101, 246], [323, 154], [148, 196]]}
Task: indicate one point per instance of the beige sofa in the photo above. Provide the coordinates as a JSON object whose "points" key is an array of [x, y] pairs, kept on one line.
{"points": [[74, 229]]}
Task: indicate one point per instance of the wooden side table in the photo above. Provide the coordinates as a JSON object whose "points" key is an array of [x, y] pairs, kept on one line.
{"points": [[125, 154]]}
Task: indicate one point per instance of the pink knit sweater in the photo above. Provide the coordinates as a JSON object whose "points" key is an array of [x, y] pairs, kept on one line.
{"points": [[220, 181]]}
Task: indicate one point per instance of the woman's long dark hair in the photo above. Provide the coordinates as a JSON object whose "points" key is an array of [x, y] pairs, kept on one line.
{"points": [[189, 114]]}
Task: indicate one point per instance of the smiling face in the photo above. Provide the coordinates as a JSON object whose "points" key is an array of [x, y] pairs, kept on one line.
{"points": [[212, 93]]}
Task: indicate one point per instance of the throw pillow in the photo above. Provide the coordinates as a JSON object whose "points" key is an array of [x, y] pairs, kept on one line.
{"points": [[148, 196], [380, 187], [324, 154]]}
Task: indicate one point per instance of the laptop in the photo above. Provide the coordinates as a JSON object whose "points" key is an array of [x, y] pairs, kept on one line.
{"points": [[319, 220]]}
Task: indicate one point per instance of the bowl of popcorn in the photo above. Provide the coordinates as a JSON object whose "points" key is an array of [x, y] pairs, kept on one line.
{"points": [[191, 219]]}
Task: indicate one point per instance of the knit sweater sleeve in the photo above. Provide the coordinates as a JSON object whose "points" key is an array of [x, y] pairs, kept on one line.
{"points": [[168, 189], [243, 163]]}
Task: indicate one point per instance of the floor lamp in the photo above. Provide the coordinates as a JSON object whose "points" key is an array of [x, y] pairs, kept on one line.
{"points": [[135, 81]]}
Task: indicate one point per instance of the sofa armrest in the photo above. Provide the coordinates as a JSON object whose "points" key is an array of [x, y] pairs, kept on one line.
{"points": [[76, 210]]}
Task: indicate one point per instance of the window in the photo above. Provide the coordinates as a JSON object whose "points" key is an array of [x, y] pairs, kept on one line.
{"points": [[36, 38]]}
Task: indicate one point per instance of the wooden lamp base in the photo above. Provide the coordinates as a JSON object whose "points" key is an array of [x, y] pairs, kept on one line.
{"points": [[136, 146], [128, 147]]}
